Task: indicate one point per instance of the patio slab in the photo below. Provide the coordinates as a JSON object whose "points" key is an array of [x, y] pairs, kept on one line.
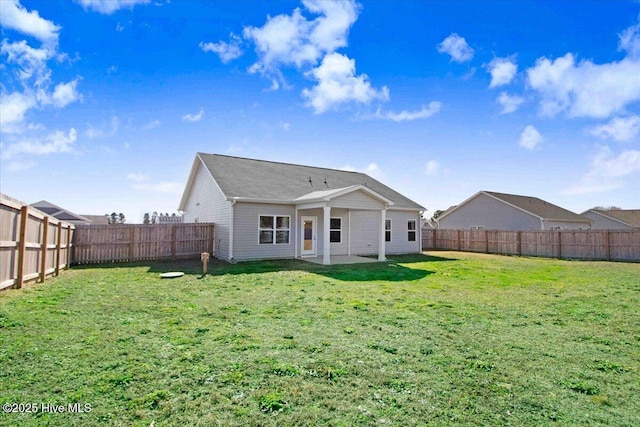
{"points": [[342, 259]]}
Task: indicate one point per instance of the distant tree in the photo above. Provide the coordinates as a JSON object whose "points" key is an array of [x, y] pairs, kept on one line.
{"points": [[146, 219], [115, 218], [154, 217], [121, 218], [436, 214]]}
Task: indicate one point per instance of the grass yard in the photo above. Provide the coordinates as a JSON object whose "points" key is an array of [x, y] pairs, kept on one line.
{"points": [[441, 339]]}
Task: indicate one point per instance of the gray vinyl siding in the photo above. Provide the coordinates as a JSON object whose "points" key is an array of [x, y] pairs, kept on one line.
{"points": [[365, 232], [400, 243], [206, 203], [357, 198], [601, 222], [246, 232], [341, 248], [491, 214]]}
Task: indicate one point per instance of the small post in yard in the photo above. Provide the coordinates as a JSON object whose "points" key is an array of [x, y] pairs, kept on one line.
{"points": [[204, 257]]}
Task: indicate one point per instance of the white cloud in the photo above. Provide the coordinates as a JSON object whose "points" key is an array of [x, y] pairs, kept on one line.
{"points": [[285, 126], [14, 16], [152, 124], [585, 89], [608, 172], [57, 142], [137, 177], [164, 187], [457, 47], [423, 113], [338, 84], [502, 70], [20, 166], [372, 169], [226, 51], [630, 41], [509, 103], [295, 40], [93, 133], [14, 107], [193, 117], [530, 138], [622, 129], [31, 63], [65, 93], [107, 7], [432, 168]]}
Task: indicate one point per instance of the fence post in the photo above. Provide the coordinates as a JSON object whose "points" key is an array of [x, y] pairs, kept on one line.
{"points": [[22, 245], [519, 242], [131, 240], [68, 265], [58, 248], [43, 249], [211, 235], [173, 241], [458, 238], [435, 237], [486, 241], [559, 244], [607, 239]]}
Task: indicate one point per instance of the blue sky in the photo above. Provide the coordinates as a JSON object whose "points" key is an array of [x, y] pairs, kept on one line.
{"points": [[104, 103]]}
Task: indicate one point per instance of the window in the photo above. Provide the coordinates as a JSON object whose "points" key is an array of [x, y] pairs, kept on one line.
{"points": [[335, 230], [411, 230], [476, 227], [274, 229], [387, 230]]}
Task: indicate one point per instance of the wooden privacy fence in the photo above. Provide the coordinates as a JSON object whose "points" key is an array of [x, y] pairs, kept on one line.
{"points": [[137, 242], [32, 244], [607, 245]]}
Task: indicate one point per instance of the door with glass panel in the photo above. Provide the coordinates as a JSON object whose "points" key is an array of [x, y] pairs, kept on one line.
{"points": [[308, 235]]}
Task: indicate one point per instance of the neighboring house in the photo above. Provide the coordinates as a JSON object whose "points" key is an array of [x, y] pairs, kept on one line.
{"points": [[499, 211], [97, 219], [264, 209], [617, 219], [60, 213]]}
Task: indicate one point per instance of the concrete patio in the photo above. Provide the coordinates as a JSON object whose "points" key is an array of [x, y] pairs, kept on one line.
{"points": [[342, 259]]}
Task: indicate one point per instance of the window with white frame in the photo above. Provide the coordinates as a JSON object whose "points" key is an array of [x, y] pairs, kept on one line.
{"points": [[476, 227], [412, 231], [335, 230], [387, 230], [274, 229]]}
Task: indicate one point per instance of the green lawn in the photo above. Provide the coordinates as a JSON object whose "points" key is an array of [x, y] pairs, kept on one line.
{"points": [[444, 339]]}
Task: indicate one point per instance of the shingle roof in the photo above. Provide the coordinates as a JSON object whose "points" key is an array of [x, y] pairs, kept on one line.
{"points": [[629, 216], [261, 179], [538, 207]]}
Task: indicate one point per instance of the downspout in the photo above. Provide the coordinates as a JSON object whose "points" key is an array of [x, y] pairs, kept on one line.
{"points": [[231, 231], [541, 223]]}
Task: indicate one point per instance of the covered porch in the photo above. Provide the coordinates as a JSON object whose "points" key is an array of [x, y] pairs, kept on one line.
{"points": [[334, 226]]}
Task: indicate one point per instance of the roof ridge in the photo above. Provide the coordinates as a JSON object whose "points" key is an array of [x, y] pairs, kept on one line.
{"points": [[281, 163]]}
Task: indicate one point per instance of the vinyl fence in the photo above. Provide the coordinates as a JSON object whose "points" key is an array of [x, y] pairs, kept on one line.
{"points": [[608, 245], [137, 242], [32, 244]]}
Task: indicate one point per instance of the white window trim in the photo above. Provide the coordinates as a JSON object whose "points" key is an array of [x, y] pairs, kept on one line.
{"points": [[336, 229], [414, 231], [274, 229], [389, 230]]}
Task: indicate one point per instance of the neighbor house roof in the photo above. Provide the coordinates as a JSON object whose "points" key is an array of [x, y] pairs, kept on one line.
{"points": [[532, 205], [59, 213], [261, 180], [630, 217]]}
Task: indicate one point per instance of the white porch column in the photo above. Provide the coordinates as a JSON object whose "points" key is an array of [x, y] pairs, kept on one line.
{"points": [[381, 244], [326, 245], [295, 232]]}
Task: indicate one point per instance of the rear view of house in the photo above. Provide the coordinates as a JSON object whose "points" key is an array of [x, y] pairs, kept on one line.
{"points": [[500, 211], [264, 209]]}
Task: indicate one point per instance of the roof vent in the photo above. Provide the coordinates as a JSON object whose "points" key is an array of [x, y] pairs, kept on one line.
{"points": [[325, 182], [310, 182]]}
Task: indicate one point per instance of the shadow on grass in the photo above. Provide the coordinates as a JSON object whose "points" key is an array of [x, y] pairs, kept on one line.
{"points": [[393, 270]]}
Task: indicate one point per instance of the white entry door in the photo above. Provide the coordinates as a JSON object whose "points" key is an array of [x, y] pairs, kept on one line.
{"points": [[308, 235]]}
